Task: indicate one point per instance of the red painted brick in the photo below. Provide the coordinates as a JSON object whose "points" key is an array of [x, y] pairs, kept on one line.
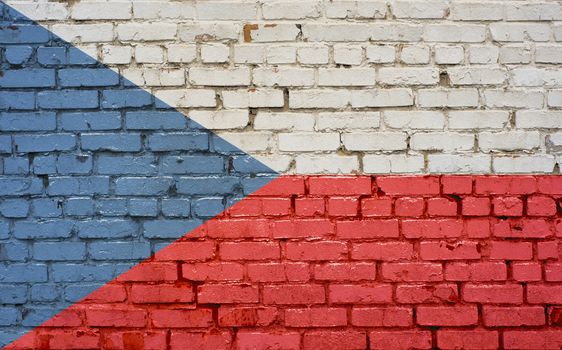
{"points": [[409, 185], [526, 272], [360, 229], [478, 271], [340, 185], [334, 340], [513, 316], [279, 272], [523, 228], [161, 293], [421, 293], [432, 228], [302, 228], [412, 272], [457, 184], [548, 250], [82, 339], [227, 294], [247, 207], [502, 185], [187, 251], [276, 206], [205, 341], [345, 272], [221, 271], [493, 293], [555, 316], [239, 316], [386, 251], [67, 318], [507, 206], [467, 339], [250, 251], [367, 293], [343, 206], [544, 294], [541, 206], [447, 315], [255, 340], [237, 228], [382, 316], [309, 206], [311, 251], [476, 206], [115, 317], [151, 272], [527, 339], [511, 250], [372, 207], [406, 206], [297, 294], [442, 207], [463, 250], [109, 293], [134, 340], [415, 339], [316, 317], [550, 184], [477, 227], [553, 272], [178, 318]]}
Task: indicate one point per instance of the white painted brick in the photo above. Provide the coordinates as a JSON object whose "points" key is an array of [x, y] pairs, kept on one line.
{"points": [[326, 163], [84, 33], [342, 9], [263, 33], [336, 32], [483, 54], [291, 9], [225, 10], [317, 54], [388, 141], [214, 53], [515, 54], [451, 33], [149, 54], [281, 54], [252, 98], [289, 121], [222, 119], [536, 77], [533, 11], [152, 9], [88, 10], [154, 77], [348, 54], [476, 76], [181, 53], [478, 119], [514, 99], [408, 76], [477, 11], [348, 120], [252, 141], [249, 54], [398, 97], [556, 140], [187, 97], [146, 31], [509, 141], [514, 32], [414, 120], [420, 9], [112, 54], [449, 54], [448, 98], [219, 76], [538, 119], [209, 31], [396, 31], [40, 11], [283, 77], [459, 163], [308, 142], [441, 141], [319, 98], [393, 163], [415, 54], [524, 164], [279, 162], [548, 54], [346, 77], [381, 54], [555, 98], [557, 29]]}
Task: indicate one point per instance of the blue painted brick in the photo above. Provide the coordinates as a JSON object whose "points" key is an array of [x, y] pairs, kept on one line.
{"points": [[249, 165], [22, 78], [207, 185], [89, 185], [14, 208], [250, 185], [77, 292], [14, 251], [169, 228], [47, 207], [74, 164], [208, 207], [85, 77], [16, 166], [9, 316], [119, 250], [176, 207], [17, 100], [44, 292], [106, 229], [23, 273], [112, 207], [111, 142], [179, 142], [68, 99], [143, 207], [127, 165], [4, 229], [143, 186], [59, 251], [79, 207], [44, 143], [77, 56], [35, 316], [5, 144], [13, 294], [43, 229], [39, 121], [64, 272], [18, 54], [52, 55], [11, 33], [91, 121], [44, 165], [193, 165], [18, 186], [222, 146], [8, 336], [155, 120], [125, 98]]}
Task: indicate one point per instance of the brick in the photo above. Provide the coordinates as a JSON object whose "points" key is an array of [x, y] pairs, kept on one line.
{"points": [[279, 272], [220, 271], [419, 294], [509, 294], [507, 206], [447, 316], [406, 339], [334, 339], [412, 272], [513, 316], [441, 228], [111, 317], [367, 229], [181, 318], [227, 294], [316, 317], [302, 228], [161, 294], [526, 272], [249, 251], [345, 271], [294, 294], [306, 251], [251, 340], [540, 206], [511, 250], [449, 251], [388, 251], [477, 339], [360, 294]]}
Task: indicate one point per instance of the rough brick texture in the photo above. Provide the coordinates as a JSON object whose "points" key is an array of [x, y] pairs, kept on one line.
{"points": [[355, 278]]}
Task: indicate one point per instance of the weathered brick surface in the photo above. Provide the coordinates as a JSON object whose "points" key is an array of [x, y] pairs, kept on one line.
{"points": [[459, 282]]}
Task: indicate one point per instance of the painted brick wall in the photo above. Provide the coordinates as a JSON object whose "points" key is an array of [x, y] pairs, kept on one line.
{"points": [[345, 263], [404, 86]]}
